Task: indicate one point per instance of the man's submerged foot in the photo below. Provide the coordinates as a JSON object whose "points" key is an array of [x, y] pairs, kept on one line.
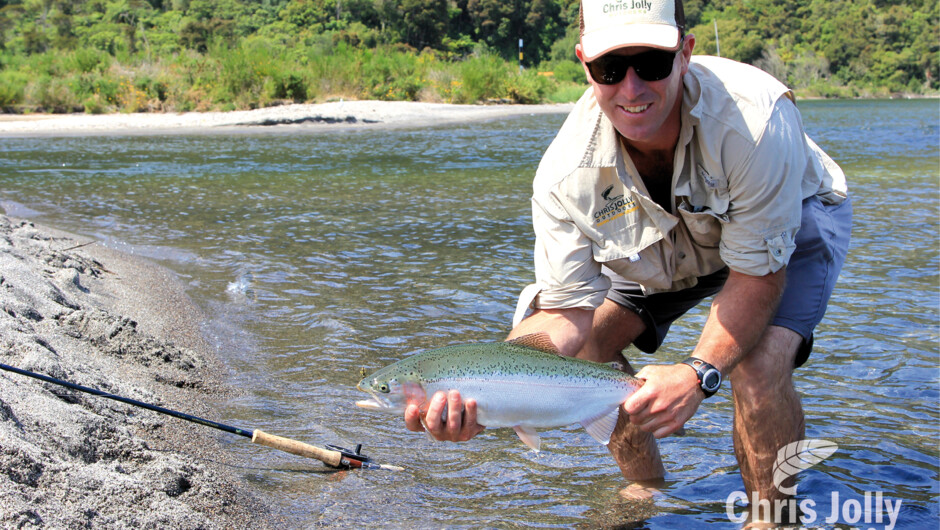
{"points": [[643, 489]]}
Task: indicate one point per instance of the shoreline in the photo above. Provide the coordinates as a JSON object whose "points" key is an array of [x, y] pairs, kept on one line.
{"points": [[339, 115], [76, 310], [290, 118]]}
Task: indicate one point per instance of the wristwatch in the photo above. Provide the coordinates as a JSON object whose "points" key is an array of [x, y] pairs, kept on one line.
{"points": [[709, 378]]}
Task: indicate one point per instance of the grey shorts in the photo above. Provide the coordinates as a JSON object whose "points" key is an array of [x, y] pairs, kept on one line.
{"points": [[821, 246]]}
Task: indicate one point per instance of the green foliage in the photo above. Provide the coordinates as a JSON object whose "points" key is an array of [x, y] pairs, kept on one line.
{"points": [[567, 93], [527, 87], [858, 47], [568, 71], [177, 55], [481, 77], [12, 88]]}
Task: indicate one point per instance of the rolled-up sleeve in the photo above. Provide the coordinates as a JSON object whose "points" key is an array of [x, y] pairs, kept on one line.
{"points": [[766, 195], [566, 274]]}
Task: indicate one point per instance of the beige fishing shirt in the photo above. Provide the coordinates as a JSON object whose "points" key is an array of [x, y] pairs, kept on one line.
{"points": [[742, 167]]}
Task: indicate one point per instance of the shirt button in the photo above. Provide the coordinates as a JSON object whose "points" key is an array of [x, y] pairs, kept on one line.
{"points": [[682, 255]]}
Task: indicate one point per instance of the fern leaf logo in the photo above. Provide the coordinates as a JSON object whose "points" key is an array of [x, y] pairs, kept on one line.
{"points": [[798, 456]]}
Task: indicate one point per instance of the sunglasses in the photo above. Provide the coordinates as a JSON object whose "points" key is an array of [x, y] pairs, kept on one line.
{"points": [[653, 65]]}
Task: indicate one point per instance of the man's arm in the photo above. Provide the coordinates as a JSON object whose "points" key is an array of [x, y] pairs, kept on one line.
{"points": [[739, 315], [568, 329]]}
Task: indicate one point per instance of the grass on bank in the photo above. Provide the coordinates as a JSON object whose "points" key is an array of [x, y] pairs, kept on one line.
{"points": [[259, 72]]}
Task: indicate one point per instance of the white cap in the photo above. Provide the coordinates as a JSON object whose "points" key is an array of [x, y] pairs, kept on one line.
{"points": [[611, 24]]}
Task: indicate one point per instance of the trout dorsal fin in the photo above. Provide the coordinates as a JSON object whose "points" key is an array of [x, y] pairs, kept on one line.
{"points": [[537, 341]]}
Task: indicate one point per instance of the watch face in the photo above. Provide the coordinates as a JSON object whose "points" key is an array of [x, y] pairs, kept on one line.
{"points": [[711, 380]]}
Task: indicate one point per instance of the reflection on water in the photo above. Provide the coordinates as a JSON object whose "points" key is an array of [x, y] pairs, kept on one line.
{"points": [[320, 254]]}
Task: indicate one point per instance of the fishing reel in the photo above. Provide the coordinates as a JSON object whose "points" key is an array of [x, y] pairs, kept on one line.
{"points": [[350, 458]]}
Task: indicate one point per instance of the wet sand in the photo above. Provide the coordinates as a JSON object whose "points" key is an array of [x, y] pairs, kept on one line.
{"points": [[99, 318]]}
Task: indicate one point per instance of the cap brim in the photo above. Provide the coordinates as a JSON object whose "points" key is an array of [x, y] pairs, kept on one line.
{"points": [[597, 43]]}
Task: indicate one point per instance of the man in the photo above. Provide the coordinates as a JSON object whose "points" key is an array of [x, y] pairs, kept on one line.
{"points": [[675, 179]]}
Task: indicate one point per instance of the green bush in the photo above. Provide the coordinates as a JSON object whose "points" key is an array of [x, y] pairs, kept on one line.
{"points": [[86, 60], [289, 85], [107, 89], [52, 94], [482, 77], [565, 71], [12, 88], [391, 75], [527, 87], [94, 105], [567, 93], [335, 71]]}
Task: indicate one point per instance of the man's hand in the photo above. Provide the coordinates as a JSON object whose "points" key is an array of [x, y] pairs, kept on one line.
{"points": [[668, 398], [459, 424]]}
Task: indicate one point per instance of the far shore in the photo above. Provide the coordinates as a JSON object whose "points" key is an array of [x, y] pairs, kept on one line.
{"points": [[295, 117]]}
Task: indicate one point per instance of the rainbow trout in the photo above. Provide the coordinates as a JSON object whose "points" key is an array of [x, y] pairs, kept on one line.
{"points": [[524, 384]]}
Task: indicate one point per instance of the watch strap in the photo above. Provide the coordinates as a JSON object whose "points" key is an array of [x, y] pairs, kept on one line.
{"points": [[706, 373]]}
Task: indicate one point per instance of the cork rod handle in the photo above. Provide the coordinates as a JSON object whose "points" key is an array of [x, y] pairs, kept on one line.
{"points": [[330, 458]]}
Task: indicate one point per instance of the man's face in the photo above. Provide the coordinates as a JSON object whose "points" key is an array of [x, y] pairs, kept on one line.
{"points": [[645, 113]]}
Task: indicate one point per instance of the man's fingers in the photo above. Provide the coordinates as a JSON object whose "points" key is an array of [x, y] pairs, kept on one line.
{"points": [[446, 418], [636, 405], [454, 412], [432, 419], [470, 427], [413, 418], [665, 429]]}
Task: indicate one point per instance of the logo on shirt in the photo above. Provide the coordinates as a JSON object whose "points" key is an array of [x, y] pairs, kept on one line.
{"points": [[616, 206], [710, 181]]}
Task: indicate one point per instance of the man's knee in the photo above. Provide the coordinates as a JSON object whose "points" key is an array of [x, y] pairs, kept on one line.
{"points": [[767, 370], [614, 328]]}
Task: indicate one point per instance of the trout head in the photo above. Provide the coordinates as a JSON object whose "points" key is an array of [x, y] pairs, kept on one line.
{"points": [[390, 393]]}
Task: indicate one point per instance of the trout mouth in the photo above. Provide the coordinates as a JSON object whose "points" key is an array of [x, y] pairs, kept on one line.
{"points": [[371, 404], [375, 402]]}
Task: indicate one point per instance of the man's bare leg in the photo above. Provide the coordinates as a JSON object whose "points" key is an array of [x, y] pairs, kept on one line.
{"points": [[767, 409], [635, 451]]}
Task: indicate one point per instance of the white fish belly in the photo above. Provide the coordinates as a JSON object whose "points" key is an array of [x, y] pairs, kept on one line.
{"points": [[533, 403]]}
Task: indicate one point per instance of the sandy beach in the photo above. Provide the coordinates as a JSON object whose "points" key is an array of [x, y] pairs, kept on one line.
{"points": [[322, 116], [102, 319]]}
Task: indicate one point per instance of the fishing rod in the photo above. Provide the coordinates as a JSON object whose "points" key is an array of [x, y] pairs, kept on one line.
{"points": [[331, 455]]}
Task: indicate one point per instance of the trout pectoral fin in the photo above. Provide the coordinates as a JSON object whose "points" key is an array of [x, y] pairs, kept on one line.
{"points": [[601, 427], [528, 437]]}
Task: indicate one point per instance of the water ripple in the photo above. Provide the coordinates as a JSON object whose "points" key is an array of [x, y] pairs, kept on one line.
{"points": [[361, 248]]}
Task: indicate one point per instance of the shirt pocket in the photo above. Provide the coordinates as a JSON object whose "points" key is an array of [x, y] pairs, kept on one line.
{"points": [[704, 226], [645, 265]]}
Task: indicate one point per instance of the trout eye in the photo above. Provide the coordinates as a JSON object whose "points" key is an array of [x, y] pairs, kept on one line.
{"points": [[383, 388]]}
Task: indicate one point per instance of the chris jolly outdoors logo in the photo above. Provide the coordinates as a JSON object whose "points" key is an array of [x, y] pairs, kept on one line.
{"points": [[792, 458], [616, 206]]}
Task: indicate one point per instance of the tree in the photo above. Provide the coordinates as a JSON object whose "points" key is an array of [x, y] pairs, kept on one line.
{"points": [[417, 23]]}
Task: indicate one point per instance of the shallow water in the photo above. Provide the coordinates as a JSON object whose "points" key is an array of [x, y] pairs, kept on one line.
{"points": [[318, 254]]}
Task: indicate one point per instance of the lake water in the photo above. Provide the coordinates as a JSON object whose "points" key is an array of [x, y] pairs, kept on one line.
{"points": [[319, 254]]}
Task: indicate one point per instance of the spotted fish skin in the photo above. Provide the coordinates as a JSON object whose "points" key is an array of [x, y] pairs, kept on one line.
{"points": [[523, 384]]}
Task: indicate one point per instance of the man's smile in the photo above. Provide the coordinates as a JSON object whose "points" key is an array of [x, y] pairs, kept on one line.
{"points": [[637, 109]]}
